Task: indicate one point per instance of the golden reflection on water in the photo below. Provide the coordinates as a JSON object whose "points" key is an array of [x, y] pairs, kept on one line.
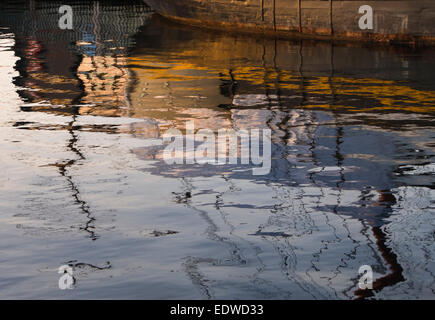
{"points": [[190, 78], [207, 78], [105, 81]]}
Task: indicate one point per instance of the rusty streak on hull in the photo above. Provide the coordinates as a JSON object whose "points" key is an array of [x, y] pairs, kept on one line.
{"points": [[395, 21]]}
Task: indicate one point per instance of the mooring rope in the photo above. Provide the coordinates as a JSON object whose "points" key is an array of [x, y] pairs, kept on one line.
{"points": [[300, 15], [262, 10], [331, 25], [274, 15], [273, 12]]}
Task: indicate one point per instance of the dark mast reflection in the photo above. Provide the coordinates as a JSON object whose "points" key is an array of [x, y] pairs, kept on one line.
{"points": [[64, 72]]}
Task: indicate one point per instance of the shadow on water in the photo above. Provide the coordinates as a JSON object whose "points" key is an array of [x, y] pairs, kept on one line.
{"points": [[349, 123]]}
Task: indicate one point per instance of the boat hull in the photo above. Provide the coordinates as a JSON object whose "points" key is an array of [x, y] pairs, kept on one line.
{"points": [[393, 20]]}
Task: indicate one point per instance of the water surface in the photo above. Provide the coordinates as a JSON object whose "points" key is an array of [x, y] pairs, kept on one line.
{"points": [[352, 179]]}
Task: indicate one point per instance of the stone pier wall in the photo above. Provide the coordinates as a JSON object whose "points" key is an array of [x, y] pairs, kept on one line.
{"points": [[400, 20]]}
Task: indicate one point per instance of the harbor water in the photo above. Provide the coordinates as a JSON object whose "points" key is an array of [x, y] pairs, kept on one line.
{"points": [[83, 182]]}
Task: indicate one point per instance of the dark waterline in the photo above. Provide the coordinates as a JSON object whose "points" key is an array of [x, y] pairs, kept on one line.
{"points": [[84, 184]]}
